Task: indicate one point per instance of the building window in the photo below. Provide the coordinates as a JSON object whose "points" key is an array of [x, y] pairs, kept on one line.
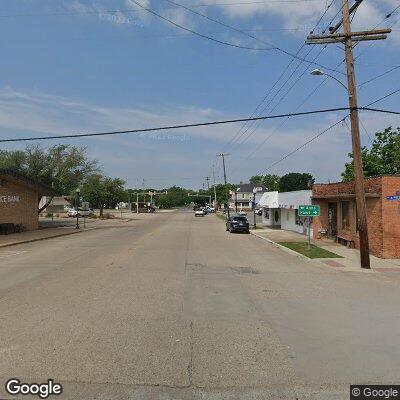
{"points": [[345, 214], [298, 219], [266, 213]]}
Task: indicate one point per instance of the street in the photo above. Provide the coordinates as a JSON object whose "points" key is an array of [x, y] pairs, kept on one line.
{"points": [[170, 306]]}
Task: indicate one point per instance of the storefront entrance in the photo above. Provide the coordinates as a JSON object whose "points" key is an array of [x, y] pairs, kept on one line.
{"points": [[332, 220]]}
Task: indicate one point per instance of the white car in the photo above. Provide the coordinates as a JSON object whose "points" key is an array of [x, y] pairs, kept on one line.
{"points": [[199, 213], [243, 213], [82, 213], [72, 212]]}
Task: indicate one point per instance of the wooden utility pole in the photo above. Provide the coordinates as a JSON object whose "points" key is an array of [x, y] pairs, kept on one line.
{"points": [[215, 190], [347, 38], [223, 165]]}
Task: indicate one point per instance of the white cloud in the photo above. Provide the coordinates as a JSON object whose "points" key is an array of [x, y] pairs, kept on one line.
{"points": [[186, 152]]}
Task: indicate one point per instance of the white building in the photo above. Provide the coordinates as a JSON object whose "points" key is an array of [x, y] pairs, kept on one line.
{"points": [[282, 210], [271, 214], [242, 197]]}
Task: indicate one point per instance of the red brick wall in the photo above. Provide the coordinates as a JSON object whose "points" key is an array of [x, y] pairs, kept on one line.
{"points": [[372, 185], [391, 218], [383, 215]]}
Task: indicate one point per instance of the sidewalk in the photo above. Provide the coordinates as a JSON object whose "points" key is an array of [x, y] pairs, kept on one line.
{"points": [[349, 262], [41, 234]]}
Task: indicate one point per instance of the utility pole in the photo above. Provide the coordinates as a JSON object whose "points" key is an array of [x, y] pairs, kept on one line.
{"points": [[215, 189], [223, 165], [347, 38]]}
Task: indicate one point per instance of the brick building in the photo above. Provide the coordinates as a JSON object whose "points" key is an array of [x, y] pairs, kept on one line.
{"points": [[338, 214], [19, 199]]}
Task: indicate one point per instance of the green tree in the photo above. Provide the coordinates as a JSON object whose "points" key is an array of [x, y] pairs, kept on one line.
{"points": [[383, 158], [62, 167], [271, 182], [102, 191], [295, 181], [175, 197], [257, 180]]}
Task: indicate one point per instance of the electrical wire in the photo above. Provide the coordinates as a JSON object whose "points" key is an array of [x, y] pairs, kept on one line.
{"points": [[193, 125], [366, 108], [240, 132], [151, 11], [315, 89]]}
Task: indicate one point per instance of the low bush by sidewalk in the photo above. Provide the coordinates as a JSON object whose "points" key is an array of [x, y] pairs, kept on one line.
{"points": [[314, 252]]}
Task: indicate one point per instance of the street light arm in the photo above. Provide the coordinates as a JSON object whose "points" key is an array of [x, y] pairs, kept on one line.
{"points": [[337, 80]]}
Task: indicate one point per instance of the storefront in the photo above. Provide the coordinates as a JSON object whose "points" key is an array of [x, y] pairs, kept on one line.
{"points": [[338, 219], [19, 200], [281, 210]]}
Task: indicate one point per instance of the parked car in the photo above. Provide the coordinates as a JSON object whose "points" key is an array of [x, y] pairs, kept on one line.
{"points": [[210, 209], [82, 213], [243, 213], [199, 213], [259, 211], [72, 212], [238, 223]]}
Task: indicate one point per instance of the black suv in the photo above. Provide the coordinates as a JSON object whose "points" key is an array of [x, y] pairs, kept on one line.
{"points": [[238, 224]]}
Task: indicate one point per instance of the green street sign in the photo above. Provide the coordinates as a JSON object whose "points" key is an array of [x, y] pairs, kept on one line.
{"points": [[309, 211]]}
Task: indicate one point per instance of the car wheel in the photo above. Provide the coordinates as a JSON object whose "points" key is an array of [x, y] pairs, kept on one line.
{"points": [[248, 232]]}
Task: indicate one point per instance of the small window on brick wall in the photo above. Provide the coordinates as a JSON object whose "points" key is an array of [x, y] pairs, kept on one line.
{"points": [[345, 214]]}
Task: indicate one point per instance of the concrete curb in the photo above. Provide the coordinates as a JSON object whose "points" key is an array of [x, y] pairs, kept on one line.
{"points": [[318, 262], [44, 238], [292, 252]]}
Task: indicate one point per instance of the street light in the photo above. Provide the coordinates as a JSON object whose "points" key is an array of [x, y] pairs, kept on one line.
{"points": [[77, 205], [319, 72]]}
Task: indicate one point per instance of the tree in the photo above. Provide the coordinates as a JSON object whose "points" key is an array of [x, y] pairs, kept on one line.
{"points": [[382, 159], [102, 191], [271, 182], [296, 181], [175, 197], [257, 180], [61, 167]]}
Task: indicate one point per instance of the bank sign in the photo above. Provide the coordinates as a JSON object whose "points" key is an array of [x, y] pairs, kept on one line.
{"points": [[9, 199], [309, 211]]}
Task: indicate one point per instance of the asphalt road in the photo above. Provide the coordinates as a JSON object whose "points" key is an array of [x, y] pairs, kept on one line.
{"points": [[174, 307]]}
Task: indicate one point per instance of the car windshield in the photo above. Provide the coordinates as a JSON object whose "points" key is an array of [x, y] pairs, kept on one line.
{"points": [[239, 219]]}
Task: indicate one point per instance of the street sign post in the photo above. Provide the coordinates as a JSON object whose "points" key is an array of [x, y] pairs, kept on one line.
{"points": [[309, 211]]}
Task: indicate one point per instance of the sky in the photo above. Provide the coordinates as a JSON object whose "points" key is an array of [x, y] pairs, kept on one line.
{"points": [[95, 66]]}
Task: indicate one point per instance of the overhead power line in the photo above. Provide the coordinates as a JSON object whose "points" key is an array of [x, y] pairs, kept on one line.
{"points": [[260, 108], [151, 11], [193, 125], [273, 47]]}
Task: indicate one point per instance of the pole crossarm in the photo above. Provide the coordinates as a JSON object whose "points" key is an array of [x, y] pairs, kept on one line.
{"points": [[357, 33], [328, 40], [377, 34]]}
